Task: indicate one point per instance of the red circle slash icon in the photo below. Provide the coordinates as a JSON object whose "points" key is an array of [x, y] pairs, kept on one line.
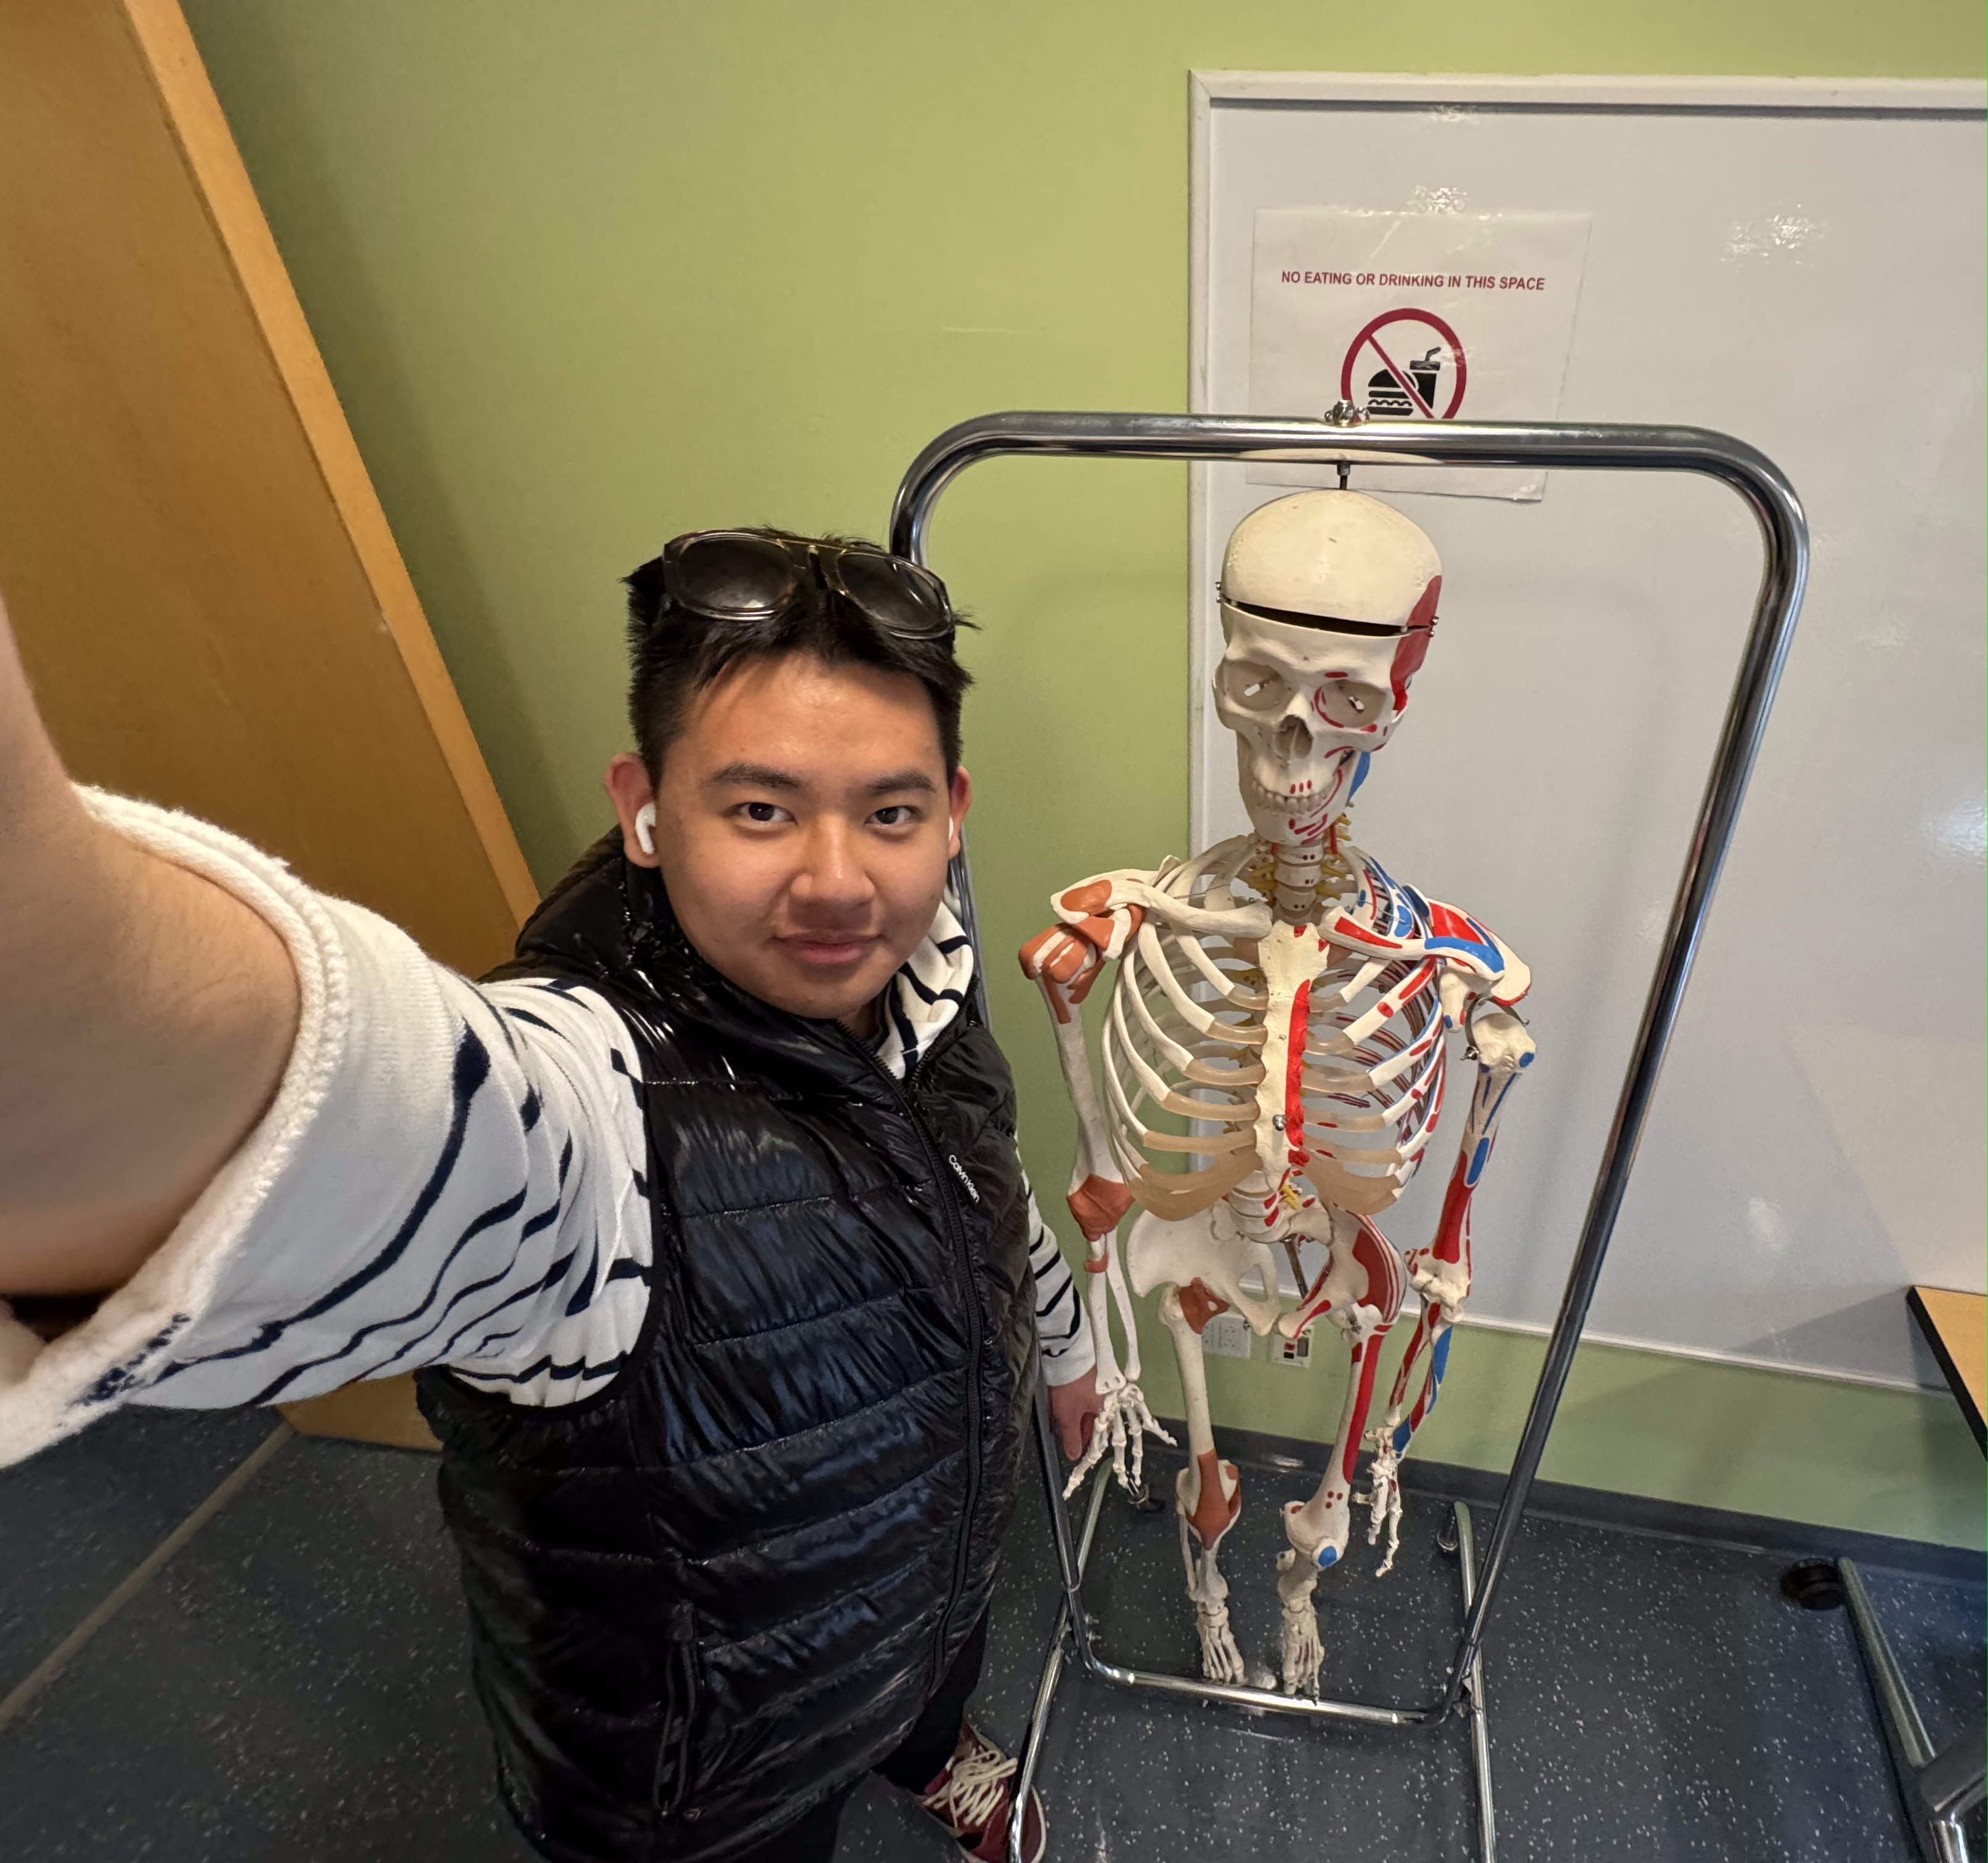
{"points": [[1413, 385]]}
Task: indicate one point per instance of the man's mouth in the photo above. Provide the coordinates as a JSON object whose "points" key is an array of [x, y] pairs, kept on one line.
{"points": [[831, 950]]}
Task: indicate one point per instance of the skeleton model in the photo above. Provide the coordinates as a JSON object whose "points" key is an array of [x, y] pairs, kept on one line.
{"points": [[1285, 1001]]}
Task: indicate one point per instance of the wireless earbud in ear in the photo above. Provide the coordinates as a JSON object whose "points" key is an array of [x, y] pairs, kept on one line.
{"points": [[645, 827]]}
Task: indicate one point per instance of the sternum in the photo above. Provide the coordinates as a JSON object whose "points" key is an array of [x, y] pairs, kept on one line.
{"points": [[1291, 957]]}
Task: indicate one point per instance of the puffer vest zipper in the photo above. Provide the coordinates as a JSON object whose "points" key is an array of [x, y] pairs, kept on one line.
{"points": [[720, 1589]]}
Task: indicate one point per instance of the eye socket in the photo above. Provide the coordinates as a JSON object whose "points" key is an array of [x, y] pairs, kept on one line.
{"points": [[1350, 703], [1255, 686]]}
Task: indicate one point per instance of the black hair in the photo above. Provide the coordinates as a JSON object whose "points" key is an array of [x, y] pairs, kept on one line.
{"points": [[674, 653]]}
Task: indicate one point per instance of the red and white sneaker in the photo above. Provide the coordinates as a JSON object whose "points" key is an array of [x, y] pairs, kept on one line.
{"points": [[973, 1797]]}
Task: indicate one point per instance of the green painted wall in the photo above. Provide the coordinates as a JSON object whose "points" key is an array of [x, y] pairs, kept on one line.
{"points": [[586, 276]]}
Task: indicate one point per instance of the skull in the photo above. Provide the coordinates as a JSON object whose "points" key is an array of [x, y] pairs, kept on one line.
{"points": [[1328, 598]]}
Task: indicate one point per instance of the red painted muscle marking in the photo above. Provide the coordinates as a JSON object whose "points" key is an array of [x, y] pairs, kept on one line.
{"points": [[1213, 1516], [1386, 1278], [1294, 1076], [1417, 1339], [1199, 1305], [1414, 646], [1453, 1232], [1447, 922], [1089, 899], [1353, 932], [1097, 1203], [1349, 1451]]}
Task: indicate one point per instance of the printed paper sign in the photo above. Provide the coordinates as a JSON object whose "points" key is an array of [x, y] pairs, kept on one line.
{"points": [[1422, 317]]}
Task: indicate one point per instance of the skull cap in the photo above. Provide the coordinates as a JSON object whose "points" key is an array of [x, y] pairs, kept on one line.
{"points": [[1341, 556]]}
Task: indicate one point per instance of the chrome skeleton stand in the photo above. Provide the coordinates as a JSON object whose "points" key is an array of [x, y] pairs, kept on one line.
{"points": [[1344, 439]]}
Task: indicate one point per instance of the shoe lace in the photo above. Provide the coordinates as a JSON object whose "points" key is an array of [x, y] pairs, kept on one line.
{"points": [[976, 1789]]}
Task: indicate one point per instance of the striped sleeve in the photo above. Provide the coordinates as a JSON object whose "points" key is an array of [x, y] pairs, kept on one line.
{"points": [[448, 1174], [1061, 1327], [470, 1196]]}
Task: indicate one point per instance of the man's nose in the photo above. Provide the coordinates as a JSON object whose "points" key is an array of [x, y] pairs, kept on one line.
{"points": [[833, 877]]}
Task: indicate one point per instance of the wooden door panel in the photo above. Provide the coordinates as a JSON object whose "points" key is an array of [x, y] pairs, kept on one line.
{"points": [[209, 603]]}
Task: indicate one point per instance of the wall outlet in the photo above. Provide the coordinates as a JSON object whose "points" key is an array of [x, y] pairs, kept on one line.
{"points": [[1290, 1351], [1226, 1336]]}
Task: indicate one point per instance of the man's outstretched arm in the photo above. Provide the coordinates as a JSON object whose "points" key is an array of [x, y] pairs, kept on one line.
{"points": [[146, 1016]]}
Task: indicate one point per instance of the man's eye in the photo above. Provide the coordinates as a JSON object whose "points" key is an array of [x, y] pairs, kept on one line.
{"points": [[763, 811], [898, 815]]}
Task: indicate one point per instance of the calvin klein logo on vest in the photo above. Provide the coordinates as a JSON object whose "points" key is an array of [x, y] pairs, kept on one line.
{"points": [[959, 1171]]}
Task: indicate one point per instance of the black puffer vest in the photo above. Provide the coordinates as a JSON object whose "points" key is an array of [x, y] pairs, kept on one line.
{"points": [[707, 1597]]}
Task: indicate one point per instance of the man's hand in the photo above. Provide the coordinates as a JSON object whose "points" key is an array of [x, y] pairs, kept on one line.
{"points": [[1073, 1409]]}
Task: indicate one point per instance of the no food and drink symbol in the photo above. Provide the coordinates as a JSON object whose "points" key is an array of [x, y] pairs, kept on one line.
{"points": [[1405, 364]]}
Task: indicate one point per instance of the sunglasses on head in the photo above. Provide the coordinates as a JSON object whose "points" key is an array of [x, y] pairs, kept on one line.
{"points": [[741, 576]]}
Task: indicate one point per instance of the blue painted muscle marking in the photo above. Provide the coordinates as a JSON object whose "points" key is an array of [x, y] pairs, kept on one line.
{"points": [[1417, 904], [1483, 951], [1406, 912], [1328, 1557], [1441, 1364], [1477, 1158], [1360, 774], [1403, 1431]]}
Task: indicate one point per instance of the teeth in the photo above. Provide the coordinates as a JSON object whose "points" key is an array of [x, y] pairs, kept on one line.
{"points": [[1298, 801]]}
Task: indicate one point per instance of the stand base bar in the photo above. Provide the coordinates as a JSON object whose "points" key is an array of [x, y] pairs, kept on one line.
{"points": [[1031, 1754], [1318, 1707], [1474, 1701], [1074, 1635]]}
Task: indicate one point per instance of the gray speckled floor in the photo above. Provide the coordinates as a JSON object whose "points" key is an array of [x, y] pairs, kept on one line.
{"points": [[293, 1687]]}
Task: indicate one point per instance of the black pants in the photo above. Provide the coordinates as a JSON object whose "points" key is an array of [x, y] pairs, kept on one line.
{"points": [[914, 1766]]}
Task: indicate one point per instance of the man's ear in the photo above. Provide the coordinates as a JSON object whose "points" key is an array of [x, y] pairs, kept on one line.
{"points": [[626, 783], [959, 799]]}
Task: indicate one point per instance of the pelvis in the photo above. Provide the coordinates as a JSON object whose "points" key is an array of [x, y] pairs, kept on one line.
{"points": [[1206, 1247]]}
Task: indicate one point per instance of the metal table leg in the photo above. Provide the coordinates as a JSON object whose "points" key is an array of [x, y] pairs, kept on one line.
{"points": [[1938, 1789]]}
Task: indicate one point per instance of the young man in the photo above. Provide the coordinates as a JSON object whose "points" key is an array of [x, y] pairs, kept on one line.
{"points": [[703, 1219]]}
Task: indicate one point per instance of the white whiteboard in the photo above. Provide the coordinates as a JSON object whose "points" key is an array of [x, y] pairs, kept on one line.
{"points": [[1816, 1142]]}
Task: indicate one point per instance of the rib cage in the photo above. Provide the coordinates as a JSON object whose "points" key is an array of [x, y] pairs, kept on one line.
{"points": [[1185, 1033]]}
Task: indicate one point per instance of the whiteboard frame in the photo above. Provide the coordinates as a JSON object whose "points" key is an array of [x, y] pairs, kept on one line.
{"points": [[1208, 89]]}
